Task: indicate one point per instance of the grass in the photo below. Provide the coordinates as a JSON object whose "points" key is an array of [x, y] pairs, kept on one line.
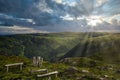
{"points": [[96, 69]]}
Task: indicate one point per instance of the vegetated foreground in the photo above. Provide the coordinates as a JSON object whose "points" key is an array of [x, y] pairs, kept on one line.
{"points": [[76, 56], [79, 68]]}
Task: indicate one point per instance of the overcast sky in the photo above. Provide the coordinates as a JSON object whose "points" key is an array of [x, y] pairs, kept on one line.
{"points": [[33, 16]]}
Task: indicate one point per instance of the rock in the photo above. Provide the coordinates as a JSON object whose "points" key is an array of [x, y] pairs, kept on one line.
{"points": [[110, 68], [74, 63], [106, 76], [85, 71], [78, 78], [72, 70], [105, 68], [101, 78]]}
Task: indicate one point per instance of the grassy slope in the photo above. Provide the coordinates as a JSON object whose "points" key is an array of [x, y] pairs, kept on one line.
{"points": [[72, 69], [103, 47]]}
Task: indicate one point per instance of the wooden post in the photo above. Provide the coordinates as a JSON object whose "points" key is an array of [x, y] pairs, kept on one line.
{"points": [[56, 75], [38, 61], [21, 67], [49, 78], [41, 61], [7, 68], [34, 61]]}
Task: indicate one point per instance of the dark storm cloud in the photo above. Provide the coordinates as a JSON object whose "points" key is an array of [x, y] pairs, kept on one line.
{"points": [[24, 9], [15, 7], [31, 9]]}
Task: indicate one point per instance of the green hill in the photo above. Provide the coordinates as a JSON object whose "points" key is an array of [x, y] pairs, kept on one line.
{"points": [[84, 56], [51, 46], [102, 47]]}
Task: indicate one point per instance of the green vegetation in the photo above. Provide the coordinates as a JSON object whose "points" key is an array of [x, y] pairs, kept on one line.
{"points": [[76, 56], [79, 68], [49, 46], [105, 48]]}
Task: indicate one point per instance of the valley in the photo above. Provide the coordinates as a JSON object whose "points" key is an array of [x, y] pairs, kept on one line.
{"points": [[76, 56]]}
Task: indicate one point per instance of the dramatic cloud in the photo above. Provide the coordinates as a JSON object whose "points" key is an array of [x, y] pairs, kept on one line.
{"points": [[61, 15], [18, 29]]}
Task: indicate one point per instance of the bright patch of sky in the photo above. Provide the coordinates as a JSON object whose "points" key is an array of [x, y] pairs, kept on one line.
{"points": [[100, 2], [42, 6], [66, 2], [94, 20], [67, 17]]}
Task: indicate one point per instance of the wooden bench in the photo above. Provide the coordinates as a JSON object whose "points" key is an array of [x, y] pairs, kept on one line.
{"points": [[15, 64], [48, 74], [40, 70]]}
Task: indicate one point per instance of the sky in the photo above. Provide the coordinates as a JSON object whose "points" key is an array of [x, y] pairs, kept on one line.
{"points": [[42, 16]]}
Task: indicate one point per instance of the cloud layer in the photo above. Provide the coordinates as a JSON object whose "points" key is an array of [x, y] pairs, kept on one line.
{"points": [[60, 15]]}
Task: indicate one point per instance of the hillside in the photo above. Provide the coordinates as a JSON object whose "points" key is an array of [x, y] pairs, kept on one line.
{"points": [[55, 46], [104, 48], [51, 46], [76, 56], [78, 68]]}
